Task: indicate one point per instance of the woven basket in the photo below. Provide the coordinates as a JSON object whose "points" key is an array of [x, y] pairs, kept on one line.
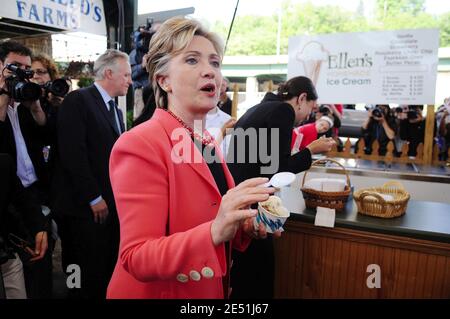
{"points": [[370, 203], [336, 200]]}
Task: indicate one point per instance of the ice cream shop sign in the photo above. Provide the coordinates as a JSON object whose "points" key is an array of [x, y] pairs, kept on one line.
{"points": [[70, 15], [372, 67]]}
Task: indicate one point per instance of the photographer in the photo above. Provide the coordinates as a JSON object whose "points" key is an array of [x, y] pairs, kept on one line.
{"points": [[443, 118], [379, 126], [411, 126], [22, 134], [54, 89], [138, 62], [13, 195]]}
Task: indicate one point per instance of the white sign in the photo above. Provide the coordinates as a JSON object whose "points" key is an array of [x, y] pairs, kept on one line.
{"points": [[372, 67], [71, 15]]}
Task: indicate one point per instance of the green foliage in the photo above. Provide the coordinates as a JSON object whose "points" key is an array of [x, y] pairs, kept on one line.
{"points": [[129, 119], [256, 35], [85, 82]]}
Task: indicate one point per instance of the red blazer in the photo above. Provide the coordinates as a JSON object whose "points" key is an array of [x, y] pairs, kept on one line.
{"points": [[166, 204], [307, 133]]}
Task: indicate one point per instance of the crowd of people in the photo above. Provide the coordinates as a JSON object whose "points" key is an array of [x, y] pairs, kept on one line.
{"points": [[165, 209], [402, 125]]}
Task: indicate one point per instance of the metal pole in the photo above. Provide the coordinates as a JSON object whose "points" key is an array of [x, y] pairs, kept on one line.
{"points": [[279, 30], [231, 27]]}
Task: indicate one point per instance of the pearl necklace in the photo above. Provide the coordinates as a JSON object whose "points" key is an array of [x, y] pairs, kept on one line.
{"points": [[206, 138]]}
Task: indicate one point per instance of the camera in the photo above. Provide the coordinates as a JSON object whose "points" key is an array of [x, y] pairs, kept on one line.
{"points": [[412, 114], [143, 35], [377, 112], [324, 110], [58, 87], [19, 86]]}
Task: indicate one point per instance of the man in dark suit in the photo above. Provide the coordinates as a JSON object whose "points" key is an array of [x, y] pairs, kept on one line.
{"points": [[22, 136], [89, 123], [261, 146]]}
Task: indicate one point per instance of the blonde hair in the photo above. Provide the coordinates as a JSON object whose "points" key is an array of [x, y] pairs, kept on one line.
{"points": [[172, 37]]}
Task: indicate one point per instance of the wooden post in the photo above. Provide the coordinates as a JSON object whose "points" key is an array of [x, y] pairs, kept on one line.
{"points": [[234, 103], [429, 133], [270, 86]]}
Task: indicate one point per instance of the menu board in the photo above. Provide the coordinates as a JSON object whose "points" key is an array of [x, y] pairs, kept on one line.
{"points": [[371, 67]]}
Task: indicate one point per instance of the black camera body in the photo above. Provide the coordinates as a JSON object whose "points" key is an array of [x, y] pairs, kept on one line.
{"points": [[411, 112], [377, 112], [58, 87], [19, 86], [324, 110]]}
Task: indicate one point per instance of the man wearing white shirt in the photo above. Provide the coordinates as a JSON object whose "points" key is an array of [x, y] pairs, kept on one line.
{"points": [[22, 135], [217, 122]]}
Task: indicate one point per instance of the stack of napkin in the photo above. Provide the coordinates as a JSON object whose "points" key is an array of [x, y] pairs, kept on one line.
{"points": [[326, 184]]}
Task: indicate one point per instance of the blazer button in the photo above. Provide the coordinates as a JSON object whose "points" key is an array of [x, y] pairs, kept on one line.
{"points": [[195, 275], [182, 278], [207, 272]]}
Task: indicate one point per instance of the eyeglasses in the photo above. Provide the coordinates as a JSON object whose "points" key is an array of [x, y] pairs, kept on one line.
{"points": [[40, 71]]}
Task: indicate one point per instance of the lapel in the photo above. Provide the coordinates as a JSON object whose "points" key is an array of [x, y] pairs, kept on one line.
{"points": [[226, 171], [10, 141], [100, 104], [190, 150]]}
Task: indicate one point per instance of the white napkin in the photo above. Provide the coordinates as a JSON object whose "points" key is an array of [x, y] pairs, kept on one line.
{"points": [[326, 184], [385, 197], [315, 183], [325, 217], [333, 185]]}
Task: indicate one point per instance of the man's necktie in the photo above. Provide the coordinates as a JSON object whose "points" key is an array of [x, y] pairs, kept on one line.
{"points": [[112, 114]]}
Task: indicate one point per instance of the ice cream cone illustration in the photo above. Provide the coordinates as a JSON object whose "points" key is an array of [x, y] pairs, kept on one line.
{"points": [[311, 56]]}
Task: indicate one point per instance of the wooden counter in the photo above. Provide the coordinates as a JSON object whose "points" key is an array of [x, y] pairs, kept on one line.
{"points": [[413, 252]]}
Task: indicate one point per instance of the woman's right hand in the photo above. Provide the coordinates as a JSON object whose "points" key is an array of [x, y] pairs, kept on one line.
{"points": [[234, 208], [321, 145]]}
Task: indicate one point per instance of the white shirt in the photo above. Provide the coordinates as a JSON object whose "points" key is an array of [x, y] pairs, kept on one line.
{"points": [[25, 168], [215, 119]]}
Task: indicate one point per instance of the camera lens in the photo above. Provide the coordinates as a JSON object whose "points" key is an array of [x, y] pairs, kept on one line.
{"points": [[26, 91], [377, 112], [59, 87], [323, 109], [412, 115]]}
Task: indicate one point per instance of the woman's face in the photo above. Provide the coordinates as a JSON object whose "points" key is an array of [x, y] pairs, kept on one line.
{"points": [[322, 126], [305, 109], [41, 75], [193, 79]]}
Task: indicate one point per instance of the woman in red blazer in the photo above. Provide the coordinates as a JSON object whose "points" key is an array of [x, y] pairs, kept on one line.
{"points": [[179, 211]]}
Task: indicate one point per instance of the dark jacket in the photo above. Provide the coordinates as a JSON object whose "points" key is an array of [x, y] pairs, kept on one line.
{"points": [[86, 136], [375, 132], [271, 113], [35, 138], [25, 212]]}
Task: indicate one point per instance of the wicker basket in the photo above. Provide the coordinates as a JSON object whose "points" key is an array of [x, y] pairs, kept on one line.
{"points": [[336, 200], [370, 202]]}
